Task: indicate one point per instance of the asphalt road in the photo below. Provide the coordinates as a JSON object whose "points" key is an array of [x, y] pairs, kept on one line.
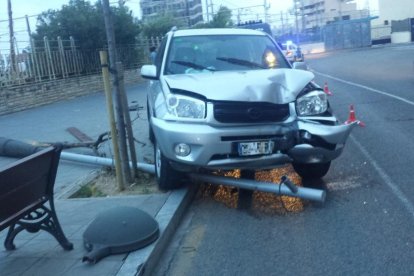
{"points": [[366, 225]]}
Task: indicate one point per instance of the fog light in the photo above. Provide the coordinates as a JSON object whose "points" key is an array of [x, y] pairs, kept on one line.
{"points": [[182, 149]]}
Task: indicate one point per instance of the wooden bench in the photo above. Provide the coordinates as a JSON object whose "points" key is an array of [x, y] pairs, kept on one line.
{"points": [[26, 196]]}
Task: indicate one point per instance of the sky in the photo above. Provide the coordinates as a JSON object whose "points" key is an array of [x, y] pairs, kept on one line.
{"points": [[34, 7]]}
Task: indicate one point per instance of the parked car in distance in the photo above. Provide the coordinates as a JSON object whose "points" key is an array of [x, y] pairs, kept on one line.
{"points": [[228, 99], [292, 52]]}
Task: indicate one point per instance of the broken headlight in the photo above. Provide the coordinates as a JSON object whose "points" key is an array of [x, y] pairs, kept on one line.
{"points": [[312, 103]]}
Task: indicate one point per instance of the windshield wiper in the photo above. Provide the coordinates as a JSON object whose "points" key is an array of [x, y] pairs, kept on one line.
{"points": [[241, 62], [193, 65]]}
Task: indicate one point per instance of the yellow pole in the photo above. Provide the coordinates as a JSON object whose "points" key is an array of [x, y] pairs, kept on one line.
{"points": [[109, 106]]}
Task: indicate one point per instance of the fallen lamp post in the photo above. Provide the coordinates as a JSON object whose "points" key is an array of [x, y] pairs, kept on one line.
{"points": [[14, 148], [96, 160], [285, 187]]}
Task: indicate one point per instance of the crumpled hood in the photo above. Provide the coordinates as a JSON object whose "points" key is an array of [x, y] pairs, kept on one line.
{"points": [[275, 85]]}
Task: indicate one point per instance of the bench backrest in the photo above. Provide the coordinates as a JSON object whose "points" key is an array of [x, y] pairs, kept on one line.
{"points": [[26, 183]]}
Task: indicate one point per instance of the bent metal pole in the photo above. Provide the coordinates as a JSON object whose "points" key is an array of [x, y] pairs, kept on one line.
{"points": [[268, 187], [96, 160]]}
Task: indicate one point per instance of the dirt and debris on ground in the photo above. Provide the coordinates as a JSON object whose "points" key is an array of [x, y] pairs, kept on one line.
{"points": [[262, 202]]}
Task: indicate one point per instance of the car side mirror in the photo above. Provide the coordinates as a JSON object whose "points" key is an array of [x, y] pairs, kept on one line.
{"points": [[300, 65], [149, 72]]}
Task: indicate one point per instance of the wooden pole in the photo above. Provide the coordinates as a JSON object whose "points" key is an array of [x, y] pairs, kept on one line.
{"points": [[120, 118], [109, 106], [11, 34]]}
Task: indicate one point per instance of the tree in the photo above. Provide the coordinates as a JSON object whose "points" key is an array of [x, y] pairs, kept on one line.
{"points": [[222, 19], [161, 25], [85, 23]]}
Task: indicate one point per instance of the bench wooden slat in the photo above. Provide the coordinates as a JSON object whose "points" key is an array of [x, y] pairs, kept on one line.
{"points": [[26, 196], [24, 182]]}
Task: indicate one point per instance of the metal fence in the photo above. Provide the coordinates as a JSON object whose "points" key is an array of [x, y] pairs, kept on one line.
{"points": [[348, 34], [49, 62]]}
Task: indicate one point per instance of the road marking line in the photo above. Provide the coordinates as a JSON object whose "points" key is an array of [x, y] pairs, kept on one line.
{"points": [[388, 181], [343, 185], [366, 88]]}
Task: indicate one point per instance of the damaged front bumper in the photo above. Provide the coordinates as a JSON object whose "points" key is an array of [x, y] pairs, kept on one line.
{"points": [[213, 147], [319, 143]]}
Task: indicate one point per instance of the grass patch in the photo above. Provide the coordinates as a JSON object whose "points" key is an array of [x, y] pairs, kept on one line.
{"points": [[105, 184], [88, 190]]}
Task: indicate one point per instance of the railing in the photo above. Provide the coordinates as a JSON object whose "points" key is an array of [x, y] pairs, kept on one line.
{"points": [[46, 63]]}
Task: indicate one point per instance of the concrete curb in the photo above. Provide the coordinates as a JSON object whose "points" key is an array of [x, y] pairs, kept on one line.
{"points": [[143, 261]]}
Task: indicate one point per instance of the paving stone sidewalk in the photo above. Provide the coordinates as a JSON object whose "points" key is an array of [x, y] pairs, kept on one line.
{"points": [[39, 253]]}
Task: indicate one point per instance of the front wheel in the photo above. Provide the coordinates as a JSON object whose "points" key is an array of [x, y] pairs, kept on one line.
{"points": [[167, 177], [312, 171]]}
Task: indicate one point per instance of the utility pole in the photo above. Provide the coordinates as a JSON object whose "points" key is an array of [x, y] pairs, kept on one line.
{"points": [[296, 22], [302, 14], [266, 9], [208, 14], [11, 33], [187, 13]]}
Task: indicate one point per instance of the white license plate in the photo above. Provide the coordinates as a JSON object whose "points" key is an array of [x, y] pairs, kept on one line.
{"points": [[255, 148]]}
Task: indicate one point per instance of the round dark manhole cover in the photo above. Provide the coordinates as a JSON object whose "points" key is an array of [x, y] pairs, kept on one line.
{"points": [[118, 230]]}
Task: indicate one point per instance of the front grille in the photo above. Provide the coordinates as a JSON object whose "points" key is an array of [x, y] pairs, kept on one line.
{"points": [[250, 112]]}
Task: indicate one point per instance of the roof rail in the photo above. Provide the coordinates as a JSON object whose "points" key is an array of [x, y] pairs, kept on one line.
{"points": [[173, 29]]}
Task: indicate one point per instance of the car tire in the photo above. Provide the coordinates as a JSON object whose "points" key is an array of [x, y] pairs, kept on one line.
{"points": [[167, 178], [311, 171]]}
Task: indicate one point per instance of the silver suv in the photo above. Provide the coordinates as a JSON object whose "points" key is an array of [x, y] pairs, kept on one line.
{"points": [[228, 98]]}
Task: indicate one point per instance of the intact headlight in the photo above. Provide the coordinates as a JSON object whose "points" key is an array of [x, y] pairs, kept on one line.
{"points": [[186, 107], [312, 103]]}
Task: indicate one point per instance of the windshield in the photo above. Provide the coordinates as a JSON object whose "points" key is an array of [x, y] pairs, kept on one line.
{"points": [[198, 54]]}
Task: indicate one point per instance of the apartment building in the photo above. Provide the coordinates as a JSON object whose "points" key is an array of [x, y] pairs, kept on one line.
{"points": [[395, 21], [394, 10], [190, 11], [317, 13]]}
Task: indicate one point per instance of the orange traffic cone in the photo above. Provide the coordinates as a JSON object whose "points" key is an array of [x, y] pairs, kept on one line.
{"points": [[352, 118], [326, 89]]}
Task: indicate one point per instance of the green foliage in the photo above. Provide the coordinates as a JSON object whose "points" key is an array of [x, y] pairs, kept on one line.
{"points": [[159, 26], [85, 22], [222, 19], [88, 190]]}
